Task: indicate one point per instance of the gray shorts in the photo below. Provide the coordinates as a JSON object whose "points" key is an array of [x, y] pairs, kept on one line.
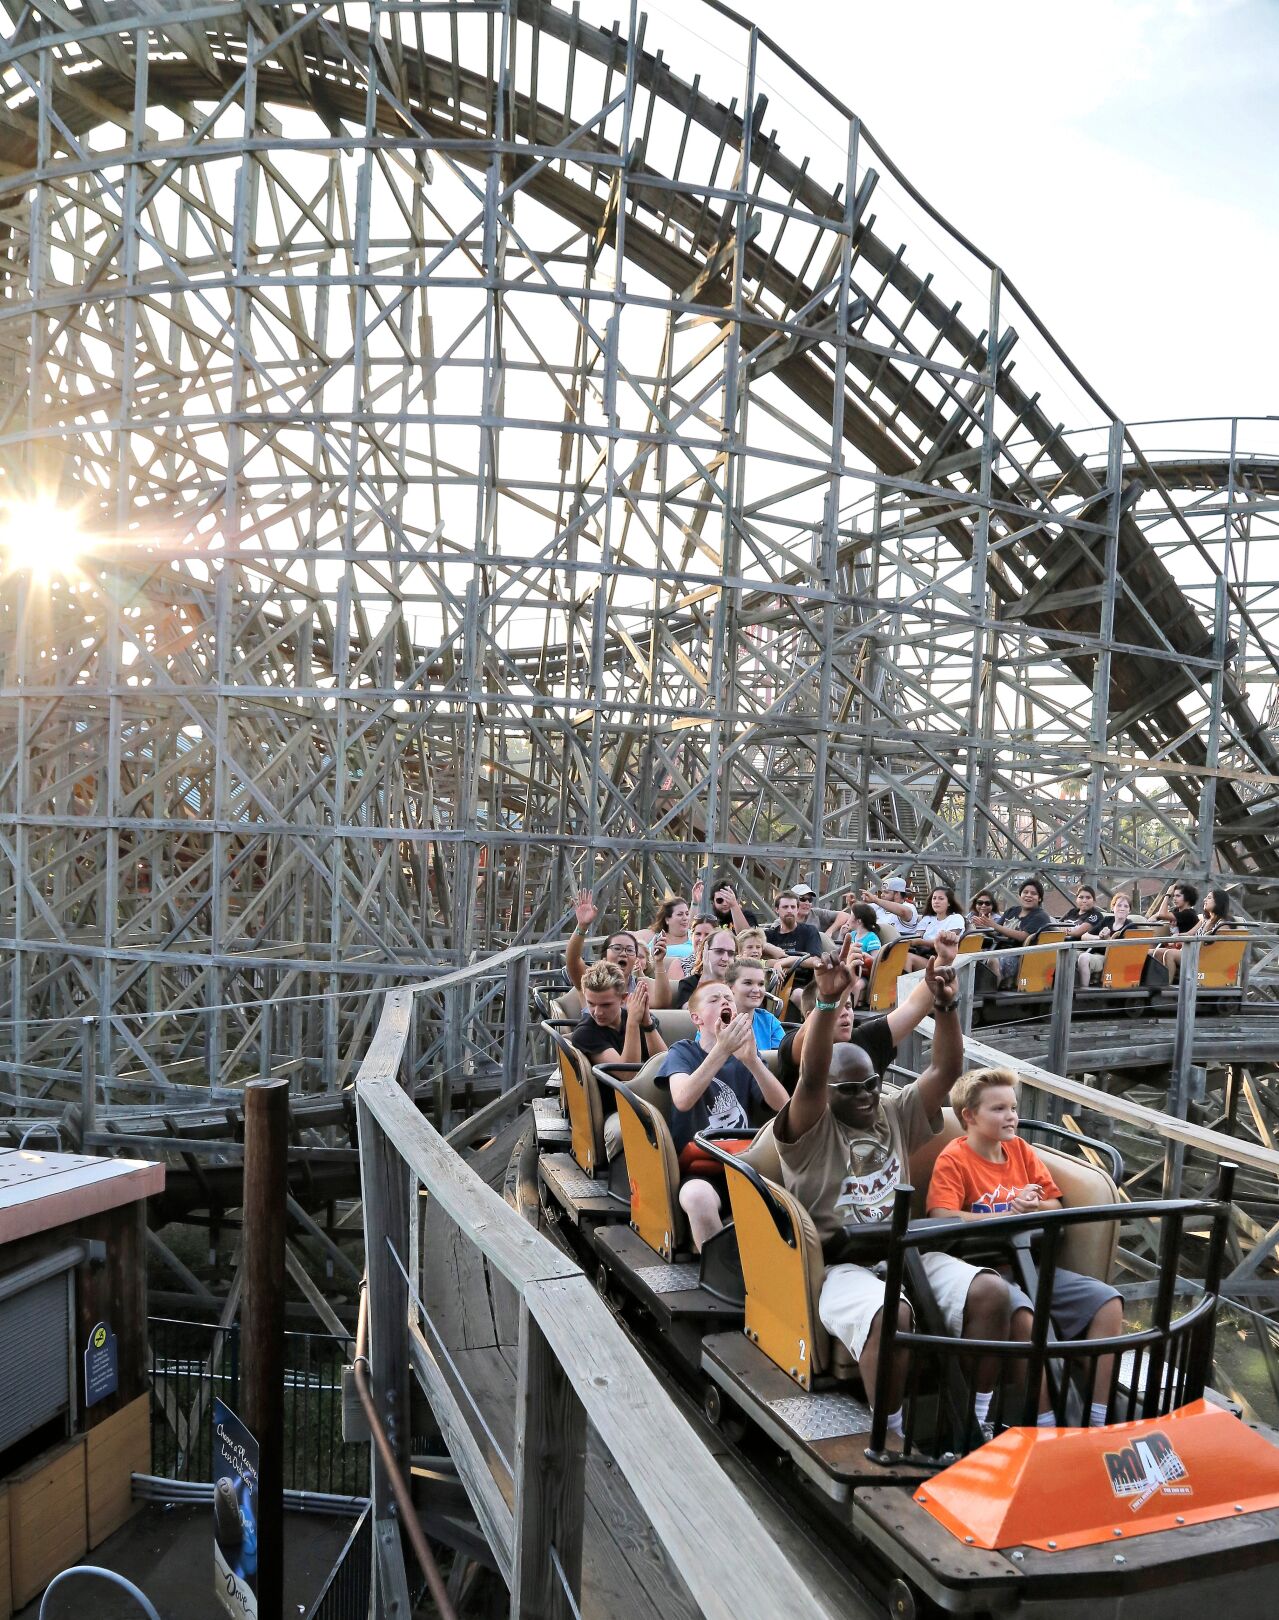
{"points": [[1076, 1299]]}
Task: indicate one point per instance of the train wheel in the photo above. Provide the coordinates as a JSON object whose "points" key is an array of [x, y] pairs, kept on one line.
{"points": [[723, 1414], [603, 1282], [901, 1602]]}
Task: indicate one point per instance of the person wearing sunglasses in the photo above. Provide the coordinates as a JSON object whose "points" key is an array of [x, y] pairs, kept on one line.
{"points": [[845, 1149], [982, 914]]}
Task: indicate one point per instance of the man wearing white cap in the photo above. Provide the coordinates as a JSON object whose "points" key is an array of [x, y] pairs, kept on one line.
{"points": [[893, 907], [808, 912]]}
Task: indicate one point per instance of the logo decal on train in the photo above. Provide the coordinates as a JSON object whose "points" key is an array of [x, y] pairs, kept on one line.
{"points": [[1148, 1466]]}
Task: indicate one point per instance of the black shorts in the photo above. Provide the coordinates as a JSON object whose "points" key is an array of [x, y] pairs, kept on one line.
{"points": [[1076, 1299]]}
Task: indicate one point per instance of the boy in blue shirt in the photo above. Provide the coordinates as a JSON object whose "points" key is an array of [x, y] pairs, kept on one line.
{"points": [[746, 980], [715, 1080]]}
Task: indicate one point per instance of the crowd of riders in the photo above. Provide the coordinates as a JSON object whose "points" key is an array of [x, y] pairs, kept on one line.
{"points": [[844, 1145]]}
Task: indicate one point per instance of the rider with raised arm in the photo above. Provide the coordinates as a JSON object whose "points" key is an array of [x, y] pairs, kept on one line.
{"points": [[844, 1150], [623, 949]]}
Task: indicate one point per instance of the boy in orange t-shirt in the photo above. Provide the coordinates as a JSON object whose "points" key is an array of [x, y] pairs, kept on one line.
{"points": [[991, 1171]]}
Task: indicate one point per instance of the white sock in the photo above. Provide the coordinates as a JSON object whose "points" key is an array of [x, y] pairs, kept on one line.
{"points": [[895, 1424], [1097, 1414], [1046, 1420], [981, 1404]]}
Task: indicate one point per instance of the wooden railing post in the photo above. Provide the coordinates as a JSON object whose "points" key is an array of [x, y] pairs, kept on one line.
{"points": [[453, 1002], [1059, 1028], [967, 993], [384, 1188], [514, 1042], [550, 1483], [1181, 1080], [266, 1185], [88, 1085]]}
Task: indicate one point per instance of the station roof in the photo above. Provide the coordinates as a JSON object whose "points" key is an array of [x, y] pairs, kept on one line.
{"points": [[39, 1190]]}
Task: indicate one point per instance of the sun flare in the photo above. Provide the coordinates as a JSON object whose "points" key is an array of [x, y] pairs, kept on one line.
{"points": [[40, 537]]}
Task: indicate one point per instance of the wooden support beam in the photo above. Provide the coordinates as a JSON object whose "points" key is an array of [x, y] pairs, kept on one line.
{"points": [[550, 1483], [266, 1141]]}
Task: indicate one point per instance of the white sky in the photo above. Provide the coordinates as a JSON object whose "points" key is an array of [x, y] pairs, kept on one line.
{"points": [[1119, 159]]}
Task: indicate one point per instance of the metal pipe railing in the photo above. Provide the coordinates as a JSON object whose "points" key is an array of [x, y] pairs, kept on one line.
{"points": [[399, 1486]]}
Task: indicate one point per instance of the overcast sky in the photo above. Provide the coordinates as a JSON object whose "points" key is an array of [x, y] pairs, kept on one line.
{"points": [[1119, 159]]}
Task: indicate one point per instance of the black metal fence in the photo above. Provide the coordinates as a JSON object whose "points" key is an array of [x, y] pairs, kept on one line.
{"points": [[1141, 1373], [191, 1362], [347, 1589]]}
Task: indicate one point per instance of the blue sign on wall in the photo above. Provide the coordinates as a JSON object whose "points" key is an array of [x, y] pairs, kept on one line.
{"points": [[101, 1365], [235, 1513]]}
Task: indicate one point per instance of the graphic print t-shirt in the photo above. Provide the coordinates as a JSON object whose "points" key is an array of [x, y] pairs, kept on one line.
{"points": [[1029, 922], [802, 940], [964, 1180], [846, 1177], [723, 1106], [1092, 915]]}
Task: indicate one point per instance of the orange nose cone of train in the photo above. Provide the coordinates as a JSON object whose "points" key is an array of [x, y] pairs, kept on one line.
{"points": [[1060, 1488]]}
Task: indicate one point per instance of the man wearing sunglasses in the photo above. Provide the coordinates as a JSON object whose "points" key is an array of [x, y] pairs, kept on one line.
{"points": [[845, 1149]]}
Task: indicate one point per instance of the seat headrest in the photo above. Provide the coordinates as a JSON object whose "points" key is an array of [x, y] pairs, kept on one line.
{"points": [[1080, 1182], [675, 1024], [924, 1158], [568, 1004], [645, 1085]]}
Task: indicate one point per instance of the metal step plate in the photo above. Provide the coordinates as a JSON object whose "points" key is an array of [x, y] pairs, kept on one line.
{"points": [[571, 1179], [553, 1130], [671, 1278], [822, 1417]]}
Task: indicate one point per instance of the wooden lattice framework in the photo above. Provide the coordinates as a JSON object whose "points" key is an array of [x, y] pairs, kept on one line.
{"points": [[501, 439]]}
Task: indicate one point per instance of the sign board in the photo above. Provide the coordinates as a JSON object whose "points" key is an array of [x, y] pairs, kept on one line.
{"points": [[101, 1365], [235, 1513]]}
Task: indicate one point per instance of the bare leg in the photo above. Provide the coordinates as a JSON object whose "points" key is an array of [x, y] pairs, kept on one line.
{"points": [[1107, 1324], [986, 1317], [868, 1363], [700, 1202]]}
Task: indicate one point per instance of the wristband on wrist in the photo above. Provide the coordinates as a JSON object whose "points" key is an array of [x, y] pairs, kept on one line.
{"points": [[827, 1006], [647, 1029], [580, 930], [944, 1006]]}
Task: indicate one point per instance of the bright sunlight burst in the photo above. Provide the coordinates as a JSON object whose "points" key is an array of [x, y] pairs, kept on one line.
{"points": [[41, 537]]}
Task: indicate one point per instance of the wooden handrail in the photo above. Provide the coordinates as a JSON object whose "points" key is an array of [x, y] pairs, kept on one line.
{"points": [[569, 1336]]}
